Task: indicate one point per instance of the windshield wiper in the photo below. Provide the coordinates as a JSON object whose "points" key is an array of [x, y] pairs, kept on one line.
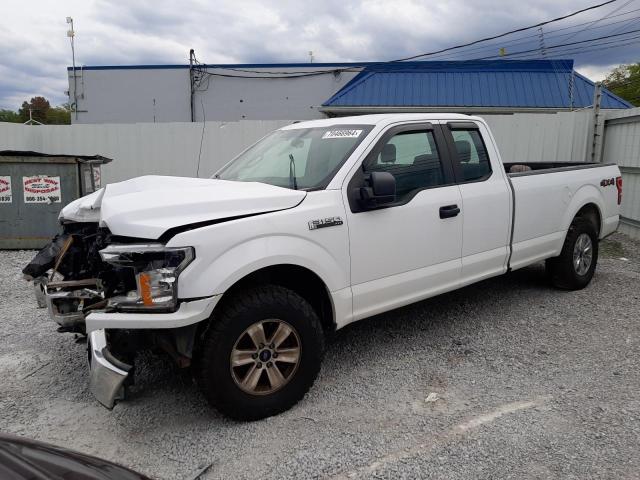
{"points": [[292, 173]]}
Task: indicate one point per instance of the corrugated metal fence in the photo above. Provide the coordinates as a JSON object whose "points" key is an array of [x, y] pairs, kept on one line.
{"points": [[174, 148], [541, 137], [622, 146], [143, 148]]}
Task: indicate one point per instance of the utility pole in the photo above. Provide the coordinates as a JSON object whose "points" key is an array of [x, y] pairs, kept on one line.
{"points": [[192, 60], [71, 34], [597, 126], [543, 50]]}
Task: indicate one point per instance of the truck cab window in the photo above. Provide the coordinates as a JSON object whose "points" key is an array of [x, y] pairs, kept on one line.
{"points": [[299, 158], [413, 159], [472, 154]]}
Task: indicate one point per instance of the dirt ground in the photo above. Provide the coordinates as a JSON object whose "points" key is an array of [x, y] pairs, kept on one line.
{"points": [[508, 378]]}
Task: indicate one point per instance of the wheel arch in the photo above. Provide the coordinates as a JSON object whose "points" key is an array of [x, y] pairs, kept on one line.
{"points": [[591, 212], [587, 203], [301, 280]]}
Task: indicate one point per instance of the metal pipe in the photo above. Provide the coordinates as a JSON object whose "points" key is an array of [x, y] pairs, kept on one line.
{"points": [[192, 56], [71, 34]]}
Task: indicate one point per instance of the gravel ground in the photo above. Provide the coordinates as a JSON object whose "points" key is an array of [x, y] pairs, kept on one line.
{"points": [[504, 379]]}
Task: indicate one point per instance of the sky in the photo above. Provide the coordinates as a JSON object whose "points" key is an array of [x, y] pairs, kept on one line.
{"points": [[35, 51]]}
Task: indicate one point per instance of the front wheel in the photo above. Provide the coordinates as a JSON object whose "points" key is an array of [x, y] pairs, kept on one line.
{"points": [[573, 269], [261, 353]]}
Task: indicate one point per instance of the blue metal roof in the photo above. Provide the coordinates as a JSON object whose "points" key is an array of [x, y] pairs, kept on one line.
{"points": [[488, 83]]}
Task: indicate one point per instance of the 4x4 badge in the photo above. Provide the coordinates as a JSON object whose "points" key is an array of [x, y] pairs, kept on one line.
{"points": [[325, 222]]}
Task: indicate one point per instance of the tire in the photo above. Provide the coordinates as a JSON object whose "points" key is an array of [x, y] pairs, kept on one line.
{"points": [[563, 271], [281, 383]]}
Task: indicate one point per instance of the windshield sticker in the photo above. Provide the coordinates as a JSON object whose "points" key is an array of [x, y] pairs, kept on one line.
{"points": [[5, 189], [342, 134], [41, 189]]}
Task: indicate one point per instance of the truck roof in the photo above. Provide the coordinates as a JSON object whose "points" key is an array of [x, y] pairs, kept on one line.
{"points": [[377, 119]]}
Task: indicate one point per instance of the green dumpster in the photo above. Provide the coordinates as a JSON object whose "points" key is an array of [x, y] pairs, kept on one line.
{"points": [[33, 189]]}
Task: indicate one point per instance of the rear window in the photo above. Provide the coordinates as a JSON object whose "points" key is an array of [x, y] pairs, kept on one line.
{"points": [[472, 154]]}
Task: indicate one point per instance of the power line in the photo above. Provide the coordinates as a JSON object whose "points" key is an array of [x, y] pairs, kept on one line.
{"points": [[514, 42], [599, 20], [522, 29], [511, 43], [355, 68], [565, 44], [584, 49]]}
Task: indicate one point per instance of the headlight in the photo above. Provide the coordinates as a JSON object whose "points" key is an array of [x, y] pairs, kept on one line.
{"points": [[156, 269]]}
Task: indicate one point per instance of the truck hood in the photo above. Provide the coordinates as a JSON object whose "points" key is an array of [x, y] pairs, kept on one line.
{"points": [[146, 207]]}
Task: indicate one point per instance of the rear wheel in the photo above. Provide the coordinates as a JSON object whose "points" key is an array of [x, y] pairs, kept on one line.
{"points": [[261, 353], [573, 269]]}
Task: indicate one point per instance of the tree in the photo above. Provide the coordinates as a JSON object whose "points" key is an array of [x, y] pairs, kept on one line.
{"points": [[624, 81], [59, 115], [39, 107], [9, 116]]}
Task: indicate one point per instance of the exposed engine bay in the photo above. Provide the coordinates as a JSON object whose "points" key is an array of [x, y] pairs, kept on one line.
{"points": [[72, 279], [87, 280]]}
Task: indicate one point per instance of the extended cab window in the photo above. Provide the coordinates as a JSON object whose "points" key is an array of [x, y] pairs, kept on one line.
{"points": [[472, 154], [412, 158]]}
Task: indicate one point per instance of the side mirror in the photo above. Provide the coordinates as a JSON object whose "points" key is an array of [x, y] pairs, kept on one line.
{"points": [[380, 189]]}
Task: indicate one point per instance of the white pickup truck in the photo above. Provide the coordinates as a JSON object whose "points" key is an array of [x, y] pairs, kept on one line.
{"points": [[318, 225]]}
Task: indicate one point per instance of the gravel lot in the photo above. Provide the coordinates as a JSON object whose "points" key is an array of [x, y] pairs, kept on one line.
{"points": [[504, 379]]}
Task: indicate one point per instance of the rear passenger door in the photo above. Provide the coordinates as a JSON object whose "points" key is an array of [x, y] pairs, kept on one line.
{"points": [[485, 201], [407, 250]]}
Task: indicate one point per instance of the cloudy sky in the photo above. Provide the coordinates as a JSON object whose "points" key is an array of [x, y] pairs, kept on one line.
{"points": [[34, 49]]}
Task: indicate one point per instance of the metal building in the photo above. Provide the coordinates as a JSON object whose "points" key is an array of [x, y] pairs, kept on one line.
{"points": [[184, 93]]}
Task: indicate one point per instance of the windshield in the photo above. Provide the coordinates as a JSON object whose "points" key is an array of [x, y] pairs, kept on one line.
{"points": [[301, 158]]}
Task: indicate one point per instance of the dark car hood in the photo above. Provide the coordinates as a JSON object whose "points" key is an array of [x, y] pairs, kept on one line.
{"points": [[24, 459]]}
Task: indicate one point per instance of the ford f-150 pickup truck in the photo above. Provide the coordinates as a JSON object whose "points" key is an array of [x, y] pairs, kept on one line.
{"points": [[319, 224]]}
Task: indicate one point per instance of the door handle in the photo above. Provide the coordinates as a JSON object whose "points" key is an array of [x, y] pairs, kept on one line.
{"points": [[449, 211]]}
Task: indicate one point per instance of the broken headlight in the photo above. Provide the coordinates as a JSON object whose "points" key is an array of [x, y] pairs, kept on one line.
{"points": [[156, 269]]}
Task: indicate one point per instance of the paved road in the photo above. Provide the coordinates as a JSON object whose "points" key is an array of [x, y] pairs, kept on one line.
{"points": [[505, 379]]}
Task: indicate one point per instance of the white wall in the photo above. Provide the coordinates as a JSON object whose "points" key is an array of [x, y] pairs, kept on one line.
{"points": [[132, 95], [622, 146], [541, 137], [142, 148], [172, 148]]}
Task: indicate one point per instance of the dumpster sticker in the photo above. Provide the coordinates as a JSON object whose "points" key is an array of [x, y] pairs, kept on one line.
{"points": [[5, 189], [96, 177], [41, 189]]}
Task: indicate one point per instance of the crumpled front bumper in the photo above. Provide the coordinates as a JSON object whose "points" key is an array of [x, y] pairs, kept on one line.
{"points": [[107, 373]]}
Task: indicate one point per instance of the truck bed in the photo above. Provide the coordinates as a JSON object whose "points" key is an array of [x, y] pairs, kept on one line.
{"points": [[544, 205], [537, 168]]}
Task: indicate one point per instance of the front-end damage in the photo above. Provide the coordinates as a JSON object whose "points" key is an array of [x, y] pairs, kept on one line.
{"points": [[107, 374], [111, 268], [71, 278], [122, 294]]}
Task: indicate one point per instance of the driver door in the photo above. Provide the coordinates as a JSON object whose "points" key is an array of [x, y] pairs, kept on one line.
{"points": [[410, 249]]}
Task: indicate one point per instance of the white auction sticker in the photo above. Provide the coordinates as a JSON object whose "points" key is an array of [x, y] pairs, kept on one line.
{"points": [[41, 189], [5, 189], [342, 134]]}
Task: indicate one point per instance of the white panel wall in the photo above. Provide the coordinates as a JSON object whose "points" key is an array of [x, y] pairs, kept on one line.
{"points": [[162, 94], [538, 137], [143, 148], [622, 146], [173, 148]]}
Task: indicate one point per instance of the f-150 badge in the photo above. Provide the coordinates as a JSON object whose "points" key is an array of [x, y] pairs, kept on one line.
{"points": [[325, 222]]}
